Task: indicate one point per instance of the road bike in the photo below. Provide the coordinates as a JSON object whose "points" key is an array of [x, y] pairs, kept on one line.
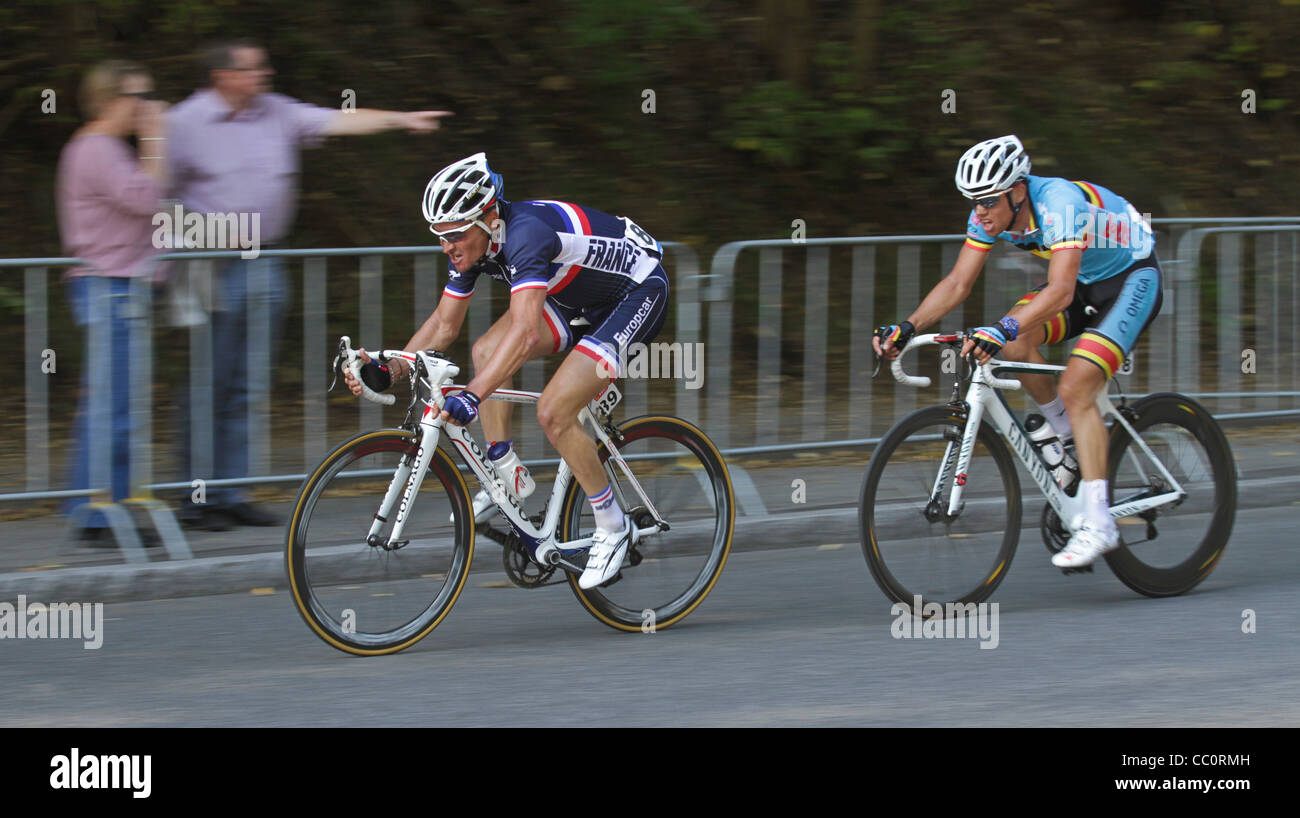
{"points": [[382, 535], [940, 510]]}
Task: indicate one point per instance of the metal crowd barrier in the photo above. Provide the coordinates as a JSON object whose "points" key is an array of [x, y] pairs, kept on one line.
{"points": [[745, 411], [316, 342], [820, 401]]}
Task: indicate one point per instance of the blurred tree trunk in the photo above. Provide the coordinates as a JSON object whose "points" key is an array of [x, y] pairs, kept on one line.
{"points": [[865, 16], [787, 38]]}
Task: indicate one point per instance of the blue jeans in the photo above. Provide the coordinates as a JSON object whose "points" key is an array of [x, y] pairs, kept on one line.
{"points": [[122, 314], [229, 374]]}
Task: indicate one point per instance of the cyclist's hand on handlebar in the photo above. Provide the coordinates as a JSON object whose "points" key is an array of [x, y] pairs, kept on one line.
{"points": [[376, 376], [461, 409], [986, 342], [889, 341], [353, 384]]}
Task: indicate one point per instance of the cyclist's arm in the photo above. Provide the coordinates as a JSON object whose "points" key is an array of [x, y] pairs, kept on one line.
{"points": [[1062, 277], [947, 294], [442, 326], [952, 290], [511, 354], [438, 331]]}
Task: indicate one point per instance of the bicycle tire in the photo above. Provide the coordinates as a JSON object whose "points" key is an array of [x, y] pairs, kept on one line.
{"points": [[687, 481], [911, 550], [1193, 448], [363, 599]]}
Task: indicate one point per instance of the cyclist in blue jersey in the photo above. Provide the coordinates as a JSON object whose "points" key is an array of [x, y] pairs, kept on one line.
{"points": [[1103, 286], [580, 280]]}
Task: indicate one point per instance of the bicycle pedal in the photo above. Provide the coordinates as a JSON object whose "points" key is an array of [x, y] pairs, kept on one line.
{"points": [[1082, 569]]}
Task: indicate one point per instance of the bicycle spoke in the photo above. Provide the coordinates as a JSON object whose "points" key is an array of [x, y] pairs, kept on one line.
{"points": [[913, 546], [373, 596], [1169, 549], [669, 571]]}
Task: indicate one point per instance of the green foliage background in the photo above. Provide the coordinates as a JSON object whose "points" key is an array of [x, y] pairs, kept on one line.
{"points": [[764, 112]]}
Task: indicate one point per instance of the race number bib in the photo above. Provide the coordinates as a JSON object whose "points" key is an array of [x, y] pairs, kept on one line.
{"points": [[641, 238], [607, 400]]}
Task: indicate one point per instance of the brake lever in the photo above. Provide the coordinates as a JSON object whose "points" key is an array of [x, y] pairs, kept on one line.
{"points": [[335, 369], [340, 360], [877, 357]]}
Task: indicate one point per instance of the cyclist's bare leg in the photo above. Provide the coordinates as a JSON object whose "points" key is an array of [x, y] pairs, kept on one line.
{"points": [[1080, 385], [1025, 349], [495, 414], [578, 380]]}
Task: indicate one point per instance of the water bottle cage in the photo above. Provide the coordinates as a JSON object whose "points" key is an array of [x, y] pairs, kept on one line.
{"points": [[1044, 447]]}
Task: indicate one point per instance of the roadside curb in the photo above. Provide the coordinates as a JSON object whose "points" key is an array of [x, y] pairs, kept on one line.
{"points": [[156, 580], [242, 573]]}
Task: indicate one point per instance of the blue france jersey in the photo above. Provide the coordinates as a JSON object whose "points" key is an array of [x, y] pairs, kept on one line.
{"points": [[580, 256], [1064, 215]]}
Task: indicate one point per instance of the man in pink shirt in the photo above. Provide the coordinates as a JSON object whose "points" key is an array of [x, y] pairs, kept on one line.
{"points": [[234, 150], [106, 197]]}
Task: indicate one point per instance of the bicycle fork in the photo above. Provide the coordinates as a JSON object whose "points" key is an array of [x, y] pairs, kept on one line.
{"points": [[405, 485], [958, 470]]}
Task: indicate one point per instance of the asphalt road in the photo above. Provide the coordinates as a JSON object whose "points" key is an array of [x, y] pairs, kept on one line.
{"points": [[790, 636]]}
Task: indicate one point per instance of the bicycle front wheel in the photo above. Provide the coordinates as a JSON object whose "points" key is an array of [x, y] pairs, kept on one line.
{"points": [[912, 545], [1169, 550], [683, 483], [367, 599]]}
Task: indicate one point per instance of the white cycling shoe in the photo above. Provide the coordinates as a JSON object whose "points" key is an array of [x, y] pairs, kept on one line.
{"points": [[483, 507], [606, 555], [1089, 542]]}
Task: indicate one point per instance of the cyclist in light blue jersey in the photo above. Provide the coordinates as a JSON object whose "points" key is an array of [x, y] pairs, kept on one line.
{"points": [[579, 280], [1103, 286]]}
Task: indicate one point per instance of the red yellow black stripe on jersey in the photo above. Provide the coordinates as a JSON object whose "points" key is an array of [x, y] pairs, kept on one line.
{"points": [[1091, 192]]}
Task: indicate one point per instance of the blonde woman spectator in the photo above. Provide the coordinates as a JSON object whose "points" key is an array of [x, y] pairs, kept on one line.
{"points": [[107, 193]]}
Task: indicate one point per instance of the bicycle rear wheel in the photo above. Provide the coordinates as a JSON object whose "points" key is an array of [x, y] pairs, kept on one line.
{"points": [[1190, 535], [362, 598], [914, 549], [668, 574]]}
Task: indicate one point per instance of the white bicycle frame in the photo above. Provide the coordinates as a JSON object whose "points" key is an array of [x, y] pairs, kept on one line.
{"points": [[984, 398], [408, 477]]}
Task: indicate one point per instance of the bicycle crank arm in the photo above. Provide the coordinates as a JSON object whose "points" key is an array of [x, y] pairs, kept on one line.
{"points": [[496, 535]]}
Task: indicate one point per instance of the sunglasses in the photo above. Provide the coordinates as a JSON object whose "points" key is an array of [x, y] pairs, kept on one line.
{"points": [[988, 202], [138, 94], [457, 233]]}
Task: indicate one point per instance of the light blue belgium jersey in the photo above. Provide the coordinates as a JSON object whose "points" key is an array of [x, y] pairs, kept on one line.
{"points": [[1065, 215]]}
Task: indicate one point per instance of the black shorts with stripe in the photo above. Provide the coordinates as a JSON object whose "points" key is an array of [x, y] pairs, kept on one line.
{"points": [[1109, 315]]}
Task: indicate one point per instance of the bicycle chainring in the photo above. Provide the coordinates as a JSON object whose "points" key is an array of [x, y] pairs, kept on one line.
{"points": [[1055, 537], [519, 566]]}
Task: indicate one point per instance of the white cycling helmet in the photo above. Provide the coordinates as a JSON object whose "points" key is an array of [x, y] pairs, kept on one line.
{"points": [[992, 166], [462, 191]]}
